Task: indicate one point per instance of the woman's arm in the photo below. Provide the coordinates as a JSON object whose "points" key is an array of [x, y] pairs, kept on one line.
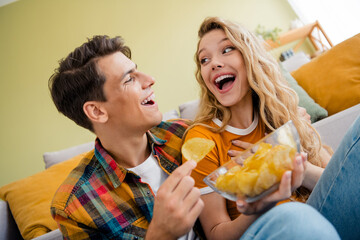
{"points": [[312, 175], [216, 222]]}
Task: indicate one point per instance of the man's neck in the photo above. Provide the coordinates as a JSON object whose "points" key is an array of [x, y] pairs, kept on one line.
{"points": [[128, 150]]}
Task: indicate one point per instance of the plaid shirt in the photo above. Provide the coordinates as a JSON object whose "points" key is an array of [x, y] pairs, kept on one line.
{"points": [[102, 200]]}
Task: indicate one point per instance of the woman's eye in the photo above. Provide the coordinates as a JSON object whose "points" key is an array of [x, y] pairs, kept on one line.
{"points": [[228, 49], [204, 60]]}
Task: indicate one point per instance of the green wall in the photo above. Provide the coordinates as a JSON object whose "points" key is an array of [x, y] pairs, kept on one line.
{"points": [[35, 34]]}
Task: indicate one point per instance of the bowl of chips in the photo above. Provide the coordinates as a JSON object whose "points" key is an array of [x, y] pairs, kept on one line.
{"points": [[257, 171]]}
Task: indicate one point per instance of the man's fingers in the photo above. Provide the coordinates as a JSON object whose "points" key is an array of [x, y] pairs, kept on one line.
{"points": [[185, 186], [195, 210], [173, 180], [191, 198]]}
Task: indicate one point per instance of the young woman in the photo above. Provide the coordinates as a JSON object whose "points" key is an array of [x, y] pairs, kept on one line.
{"points": [[243, 97]]}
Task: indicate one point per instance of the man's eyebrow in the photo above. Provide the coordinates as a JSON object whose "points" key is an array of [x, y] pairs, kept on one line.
{"points": [[222, 40], [129, 71]]}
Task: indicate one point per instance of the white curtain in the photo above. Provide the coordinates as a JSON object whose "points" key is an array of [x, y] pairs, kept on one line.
{"points": [[340, 19]]}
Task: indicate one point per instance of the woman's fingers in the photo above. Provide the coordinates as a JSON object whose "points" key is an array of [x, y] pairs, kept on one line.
{"points": [[241, 144]]}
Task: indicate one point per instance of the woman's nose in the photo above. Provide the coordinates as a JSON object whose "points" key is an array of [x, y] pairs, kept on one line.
{"points": [[217, 65]]}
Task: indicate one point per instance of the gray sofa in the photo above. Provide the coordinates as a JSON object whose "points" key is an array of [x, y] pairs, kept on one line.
{"points": [[331, 129]]}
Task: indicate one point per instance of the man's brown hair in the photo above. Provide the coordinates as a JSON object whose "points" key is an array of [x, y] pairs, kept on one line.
{"points": [[78, 79]]}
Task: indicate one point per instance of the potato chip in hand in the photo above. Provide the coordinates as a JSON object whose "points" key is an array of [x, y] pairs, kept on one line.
{"points": [[197, 148]]}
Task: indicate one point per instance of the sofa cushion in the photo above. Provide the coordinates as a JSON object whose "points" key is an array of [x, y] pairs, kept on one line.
{"points": [[333, 78], [315, 111], [51, 158], [29, 199], [172, 114], [188, 110]]}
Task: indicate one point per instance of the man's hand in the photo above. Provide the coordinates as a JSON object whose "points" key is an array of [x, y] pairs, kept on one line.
{"points": [[290, 181], [177, 205]]}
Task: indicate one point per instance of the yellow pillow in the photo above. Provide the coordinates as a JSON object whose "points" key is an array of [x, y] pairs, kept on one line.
{"points": [[333, 78], [29, 199]]}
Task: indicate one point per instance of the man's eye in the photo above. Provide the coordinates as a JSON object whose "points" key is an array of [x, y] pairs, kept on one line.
{"points": [[129, 79], [228, 49], [204, 60]]}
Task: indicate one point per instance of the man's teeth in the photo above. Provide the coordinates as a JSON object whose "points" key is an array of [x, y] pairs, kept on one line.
{"points": [[150, 98], [222, 77]]}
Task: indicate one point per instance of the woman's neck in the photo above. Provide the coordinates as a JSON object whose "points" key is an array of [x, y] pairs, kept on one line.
{"points": [[242, 114]]}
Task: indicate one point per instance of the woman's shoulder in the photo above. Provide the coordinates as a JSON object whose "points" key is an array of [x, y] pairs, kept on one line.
{"points": [[202, 130]]}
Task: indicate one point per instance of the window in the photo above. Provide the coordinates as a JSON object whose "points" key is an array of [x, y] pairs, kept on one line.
{"points": [[339, 19]]}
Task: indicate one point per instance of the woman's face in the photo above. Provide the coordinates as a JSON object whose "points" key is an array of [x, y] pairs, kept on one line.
{"points": [[223, 69]]}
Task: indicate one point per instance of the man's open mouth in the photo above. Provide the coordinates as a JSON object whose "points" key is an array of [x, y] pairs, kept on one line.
{"points": [[149, 100], [224, 80]]}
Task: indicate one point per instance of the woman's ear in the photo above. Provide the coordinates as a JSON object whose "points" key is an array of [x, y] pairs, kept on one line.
{"points": [[95, 111]]}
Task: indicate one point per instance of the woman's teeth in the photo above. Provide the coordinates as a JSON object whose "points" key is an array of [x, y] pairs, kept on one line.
{"points": [[222, 77]]}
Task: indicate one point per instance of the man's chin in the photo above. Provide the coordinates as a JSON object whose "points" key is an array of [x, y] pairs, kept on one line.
{"points": [[159, 118]]}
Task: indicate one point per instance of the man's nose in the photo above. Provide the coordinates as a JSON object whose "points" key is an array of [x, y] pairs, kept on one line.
{"points": [[147, 80]]}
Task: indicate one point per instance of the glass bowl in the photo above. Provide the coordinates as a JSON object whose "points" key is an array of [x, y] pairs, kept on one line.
{"points": [[256, 172]]}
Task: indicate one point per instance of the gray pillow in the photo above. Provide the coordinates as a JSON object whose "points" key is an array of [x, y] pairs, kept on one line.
{"points": [[51, 158], [188, 110], [312, 108]]}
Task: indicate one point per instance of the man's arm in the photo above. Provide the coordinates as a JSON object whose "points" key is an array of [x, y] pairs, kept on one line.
{"points": [[69, 228], [177, 205]]}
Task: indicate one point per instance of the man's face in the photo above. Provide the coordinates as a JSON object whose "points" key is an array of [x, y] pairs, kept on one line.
{"points": [[130, 100]]}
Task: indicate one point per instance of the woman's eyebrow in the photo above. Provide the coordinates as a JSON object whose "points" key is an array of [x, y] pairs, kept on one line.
{"points": [[222, 40]]}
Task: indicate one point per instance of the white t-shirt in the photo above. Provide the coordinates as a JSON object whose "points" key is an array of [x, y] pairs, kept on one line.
{"points": [[152, 174]]}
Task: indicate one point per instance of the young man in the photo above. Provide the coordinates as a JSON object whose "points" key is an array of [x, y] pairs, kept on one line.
{"points": [[115, 192]]}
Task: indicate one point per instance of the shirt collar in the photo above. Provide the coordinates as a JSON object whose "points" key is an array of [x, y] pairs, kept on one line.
{"points": [[116, 172]]}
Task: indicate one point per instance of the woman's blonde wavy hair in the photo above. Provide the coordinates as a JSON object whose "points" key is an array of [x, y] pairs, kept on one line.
{"points": [[273, 99]]}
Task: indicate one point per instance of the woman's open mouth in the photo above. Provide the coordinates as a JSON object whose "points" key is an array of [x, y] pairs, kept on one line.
{"points": [[224, 82]]}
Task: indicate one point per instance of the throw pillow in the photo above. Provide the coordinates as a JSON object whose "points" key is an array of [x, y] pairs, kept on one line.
{"points": [[315, 111], [52, 158], [173, 114], [333, 78], [29, 199], [189, 109]]}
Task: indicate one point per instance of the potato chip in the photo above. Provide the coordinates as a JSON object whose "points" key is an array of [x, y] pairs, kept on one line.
{"points": [[197, 148]]}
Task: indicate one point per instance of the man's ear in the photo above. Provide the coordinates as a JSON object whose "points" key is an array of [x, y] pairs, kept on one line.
{"points": [[95, 111]]}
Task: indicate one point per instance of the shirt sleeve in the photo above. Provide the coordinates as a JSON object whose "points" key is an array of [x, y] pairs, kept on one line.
{"points": [[210, 162], [69, 228]]}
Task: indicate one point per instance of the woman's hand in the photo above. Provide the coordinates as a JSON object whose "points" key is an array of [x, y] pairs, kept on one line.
{"points": [[290, 181], [238, 143], [303, 114]]}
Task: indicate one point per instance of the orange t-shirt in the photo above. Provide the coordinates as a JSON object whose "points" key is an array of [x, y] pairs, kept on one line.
{"points": [[219, 154]]}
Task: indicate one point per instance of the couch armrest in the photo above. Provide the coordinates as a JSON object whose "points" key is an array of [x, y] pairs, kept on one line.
{"points": [[53, 235], [8, 227], [332, 129]]}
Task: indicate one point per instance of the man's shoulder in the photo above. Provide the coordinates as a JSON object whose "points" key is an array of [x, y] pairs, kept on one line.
{"points": [[177, 122], [175, 127], [80, 175]]}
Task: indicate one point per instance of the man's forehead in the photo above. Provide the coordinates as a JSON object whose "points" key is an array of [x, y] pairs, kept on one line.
{"points": [[116, 63]]}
